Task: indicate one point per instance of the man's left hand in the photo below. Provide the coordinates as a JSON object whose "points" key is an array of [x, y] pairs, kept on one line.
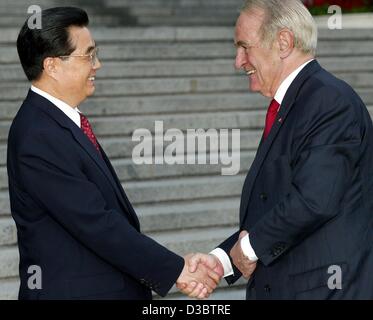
{"points": [[242, 262]]}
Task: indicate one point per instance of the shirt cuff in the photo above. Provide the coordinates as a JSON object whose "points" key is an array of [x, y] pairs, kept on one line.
{"points": [[225, 261], [247, 249]]}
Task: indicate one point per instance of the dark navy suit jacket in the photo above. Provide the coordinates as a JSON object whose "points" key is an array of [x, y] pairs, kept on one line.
{"points": [[73, 218], [307, 201]]}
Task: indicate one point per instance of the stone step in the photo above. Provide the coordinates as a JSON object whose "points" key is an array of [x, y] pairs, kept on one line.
{"points": [[126, 35], [21, 7], [168, 104], [186, 241], [213, 50], [251, 119], [22, 4], [128, 171], [163, 217], [207, 50], [9, 258], [3, 150], [99, 17], [132, 87], [171, 3], [205, 34], [153, 192], [349, 21], [4, 204], [3, 179], [8, 232], [145, 69], [111, 126], [15, 14], [185, 85], [121, 147], [165, 11], [192, 188], [179, 20], [221, 120], [179, 241], [9, 288], [125, 126], [180, 68], [189, 214]]}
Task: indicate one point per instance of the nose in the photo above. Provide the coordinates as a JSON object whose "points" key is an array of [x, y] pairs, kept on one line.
{"points": [[241, 58], [97, 64]]}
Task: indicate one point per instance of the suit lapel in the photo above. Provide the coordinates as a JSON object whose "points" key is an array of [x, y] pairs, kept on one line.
{"points": [[103, 164], [87, 146], [265, 145]]}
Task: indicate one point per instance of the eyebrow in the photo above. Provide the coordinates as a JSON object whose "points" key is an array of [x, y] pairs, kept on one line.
{"points": [[241, 44], [90, 48]]}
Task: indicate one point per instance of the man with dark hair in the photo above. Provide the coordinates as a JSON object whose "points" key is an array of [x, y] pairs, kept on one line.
{"points": [[73, 218]]}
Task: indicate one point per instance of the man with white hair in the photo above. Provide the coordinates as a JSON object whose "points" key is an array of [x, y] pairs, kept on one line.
{"points": [[306, 215]]}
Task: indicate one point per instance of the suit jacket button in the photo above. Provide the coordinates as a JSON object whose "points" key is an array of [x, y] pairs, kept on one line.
{"points": [[263, 197], [274, 253], [267, 288]]}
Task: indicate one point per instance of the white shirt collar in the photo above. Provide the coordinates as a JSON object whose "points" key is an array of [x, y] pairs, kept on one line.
{"points": [[283, 88], [72, 113]]}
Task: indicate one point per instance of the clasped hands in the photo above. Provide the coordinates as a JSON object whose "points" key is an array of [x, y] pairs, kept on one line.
{"points": [[202, 272]]}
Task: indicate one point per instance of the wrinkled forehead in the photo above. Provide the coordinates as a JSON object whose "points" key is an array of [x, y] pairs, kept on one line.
{"points": [[248, 25]]}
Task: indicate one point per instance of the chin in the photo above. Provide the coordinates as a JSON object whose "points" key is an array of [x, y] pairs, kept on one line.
{"points": [[90, 91], [254, 88]]}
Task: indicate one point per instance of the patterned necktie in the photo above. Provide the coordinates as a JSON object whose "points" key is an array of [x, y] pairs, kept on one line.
{"points": [[270, 117], [87, 129]]}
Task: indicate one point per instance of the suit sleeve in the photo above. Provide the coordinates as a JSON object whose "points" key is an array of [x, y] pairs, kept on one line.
{"points": [[326, 143], [56, 181]]}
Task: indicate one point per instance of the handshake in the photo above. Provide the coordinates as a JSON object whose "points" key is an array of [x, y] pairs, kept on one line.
{"points": [[202, 272]]}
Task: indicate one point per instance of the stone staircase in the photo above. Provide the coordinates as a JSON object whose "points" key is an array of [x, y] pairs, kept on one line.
{"points": [[180, 12], [13, 13], [183, 76], [134, 12]]}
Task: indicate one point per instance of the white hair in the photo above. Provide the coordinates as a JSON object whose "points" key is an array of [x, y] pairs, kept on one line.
{"points": [[286, 14]]}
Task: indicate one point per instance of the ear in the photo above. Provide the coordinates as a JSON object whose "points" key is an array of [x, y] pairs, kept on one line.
{"points": [[50, 66], [286, 43]]}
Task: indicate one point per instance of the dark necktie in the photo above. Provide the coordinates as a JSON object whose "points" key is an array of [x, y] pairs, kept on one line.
{"points": [[87, 129], [270, 117]]}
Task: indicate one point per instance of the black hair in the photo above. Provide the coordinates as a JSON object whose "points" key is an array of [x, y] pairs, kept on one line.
{"points": [[51, 40]]}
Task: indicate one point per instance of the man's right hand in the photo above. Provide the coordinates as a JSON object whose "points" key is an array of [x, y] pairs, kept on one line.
{"points": [[206, 272], [209, 260]]}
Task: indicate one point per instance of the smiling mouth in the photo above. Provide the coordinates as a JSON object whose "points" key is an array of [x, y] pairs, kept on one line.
{"points": [[250, 72], [91, 78]]}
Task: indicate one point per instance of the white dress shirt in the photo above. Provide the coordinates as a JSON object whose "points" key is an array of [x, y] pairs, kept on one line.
{"points": [[71, 112], [245, 241]]}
